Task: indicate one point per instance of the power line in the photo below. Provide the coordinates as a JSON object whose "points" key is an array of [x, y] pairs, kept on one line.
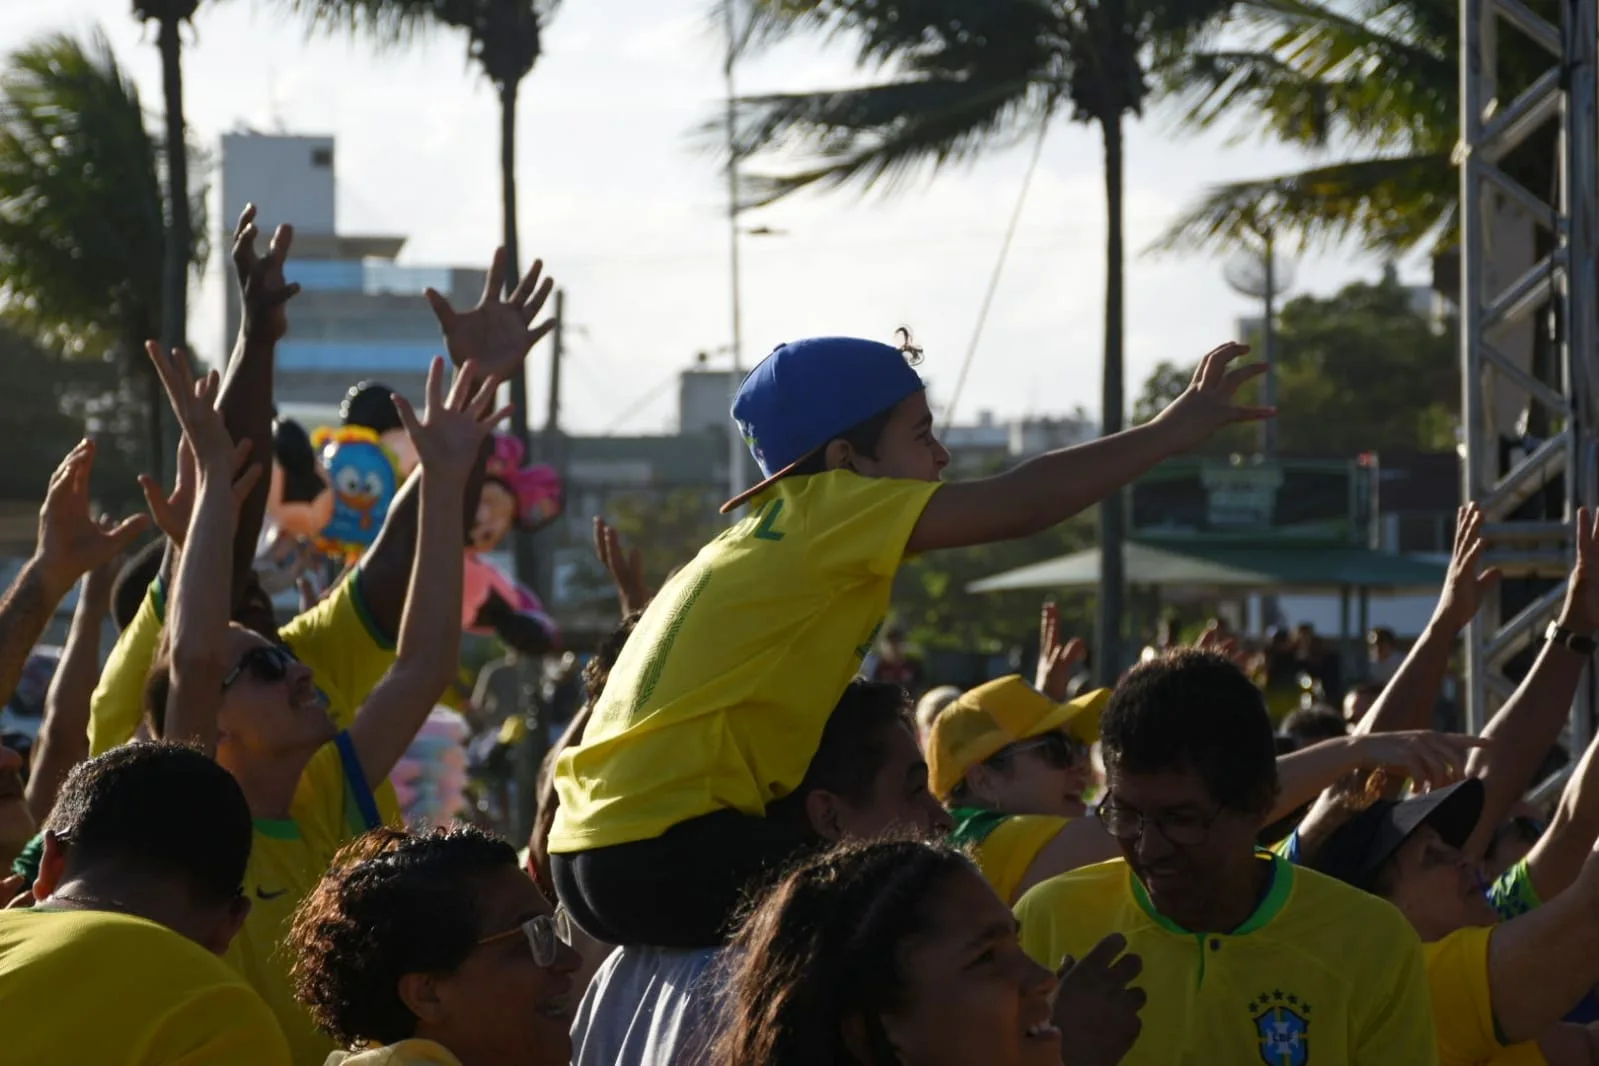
{"points": [[999, 269]]}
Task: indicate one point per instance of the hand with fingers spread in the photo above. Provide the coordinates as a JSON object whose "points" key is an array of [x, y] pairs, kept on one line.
{"points": [[214, 454], [498, 333], [1581, 611], [626, 567], [1057, 659], [1095, 1008], [1210, 401], [262, 289], [449, 435], [1431, 760], [1466, 582], [71, 541]]}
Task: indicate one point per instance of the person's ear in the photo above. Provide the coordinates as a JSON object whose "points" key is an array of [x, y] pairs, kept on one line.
{"points": [[839, 455], [420, 994], [823, 812], [981, 782], [52, 865]]}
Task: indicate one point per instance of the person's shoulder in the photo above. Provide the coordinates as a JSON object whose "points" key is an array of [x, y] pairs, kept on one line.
{"points": [[108, 936], [1102, 882], [1350, 917]]}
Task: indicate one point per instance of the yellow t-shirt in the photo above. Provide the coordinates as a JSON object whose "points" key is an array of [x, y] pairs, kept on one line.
{"points": [[1321, 972], [1004, 850], [719, 697], [287, 858], [115, 990], [1462, 1008]]}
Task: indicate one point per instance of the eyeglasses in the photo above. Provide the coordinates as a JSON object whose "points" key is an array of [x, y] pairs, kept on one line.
{"points": [[545, 935], [1178, 827], [1059, 750], [267, 663]]}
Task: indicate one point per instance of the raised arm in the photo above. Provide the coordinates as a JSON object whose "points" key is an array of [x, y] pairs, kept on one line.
{"points": [[71, 543], [1555, 861], [246, 399], [200, 604], [1529, 723], [64, 734], [496, 335], [1050, 488], [1407, 701], [448, 439], [1541, 963]]}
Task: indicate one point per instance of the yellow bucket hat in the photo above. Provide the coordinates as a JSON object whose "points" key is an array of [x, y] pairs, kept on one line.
{"points": [[994, 716]]}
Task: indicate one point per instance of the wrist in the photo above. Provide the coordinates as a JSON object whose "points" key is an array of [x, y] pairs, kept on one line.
{"points": [[52, 576]]}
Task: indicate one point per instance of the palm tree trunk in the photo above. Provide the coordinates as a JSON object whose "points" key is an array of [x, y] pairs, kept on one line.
{"points": [[1112, 516], [522, 544], [175, 279]]}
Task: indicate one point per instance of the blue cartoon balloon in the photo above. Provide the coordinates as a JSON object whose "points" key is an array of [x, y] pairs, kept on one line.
{"points": [[364, 478]]}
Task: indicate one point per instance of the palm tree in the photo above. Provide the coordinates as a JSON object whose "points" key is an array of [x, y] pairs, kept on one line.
{"points": [[968, 76], [81, 210]]}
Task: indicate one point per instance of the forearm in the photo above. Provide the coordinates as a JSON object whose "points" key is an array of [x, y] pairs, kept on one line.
{"points": [[64, 734], [1557, 857], [246, 406], [24, 614], [1407, 701], [1042, 492], [1304, 774], [197, 617], [386, 567], [1542, 963]]}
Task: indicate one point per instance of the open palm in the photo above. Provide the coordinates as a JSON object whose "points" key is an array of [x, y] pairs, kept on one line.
{"points": [[498, 333]]}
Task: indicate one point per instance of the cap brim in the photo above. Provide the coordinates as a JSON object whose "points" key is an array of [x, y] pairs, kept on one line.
{"points": [[755, 490], [1453, 812], [1359, 849], [1079, 717]]}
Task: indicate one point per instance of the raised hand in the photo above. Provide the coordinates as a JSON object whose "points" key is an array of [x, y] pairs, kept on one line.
{"points": [[1431, 760], [449, 436], [1466, 581], [626, 567], [1209, 402], [215, 455], [1095, 1009], [498, 333], [1581, 613], [1056, 658], [261, 286], [71, 541]]}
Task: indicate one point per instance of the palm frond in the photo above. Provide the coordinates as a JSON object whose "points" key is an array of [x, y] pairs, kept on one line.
{"points": [[389, 23], [1391, 204]]}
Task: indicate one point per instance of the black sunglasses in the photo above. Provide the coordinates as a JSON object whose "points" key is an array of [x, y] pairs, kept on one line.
{"points": [[268, 664], [1059, 750]]}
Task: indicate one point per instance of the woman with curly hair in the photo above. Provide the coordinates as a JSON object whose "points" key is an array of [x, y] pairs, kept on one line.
{"points": [[434, 948], [898, 953]]}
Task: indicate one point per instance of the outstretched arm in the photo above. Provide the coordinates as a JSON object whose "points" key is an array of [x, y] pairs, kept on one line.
{"points": [[448, 440], [1049, 489], [496, 336]]}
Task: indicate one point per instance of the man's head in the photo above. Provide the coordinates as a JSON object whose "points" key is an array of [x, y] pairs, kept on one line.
{"points": [[1004, 746], [1191, 775], [133, 582], [1381, 643], [270, 710], [1311, 725], [838, 403], [868, 776], [154, 823], [1358, 700], [933, 703], [1410, 854]]}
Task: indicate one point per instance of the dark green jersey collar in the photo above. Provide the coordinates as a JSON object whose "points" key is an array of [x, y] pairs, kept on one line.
{"points": [[1276, 897]]}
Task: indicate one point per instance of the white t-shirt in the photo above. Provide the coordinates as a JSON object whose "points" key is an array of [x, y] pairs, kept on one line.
{"points": [[649, 1007]]}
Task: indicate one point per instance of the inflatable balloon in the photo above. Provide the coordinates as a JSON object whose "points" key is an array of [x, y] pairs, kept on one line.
{"points": [[514, 497], [430, 781], [365, 479], [299, 506], [371, 404]]}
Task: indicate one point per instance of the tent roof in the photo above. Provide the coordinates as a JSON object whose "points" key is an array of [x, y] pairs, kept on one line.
{"points": [[1195, 565]]}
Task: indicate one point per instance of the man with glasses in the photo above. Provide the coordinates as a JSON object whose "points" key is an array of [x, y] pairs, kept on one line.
{"points": [[1246, 958]]}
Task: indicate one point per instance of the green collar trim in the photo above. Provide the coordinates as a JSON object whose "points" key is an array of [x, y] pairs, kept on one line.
{"points": [[1277, 893], [278, 828]]}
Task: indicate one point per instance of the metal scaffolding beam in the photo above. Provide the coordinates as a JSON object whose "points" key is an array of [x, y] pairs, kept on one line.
{"points": [[1504, 285]]}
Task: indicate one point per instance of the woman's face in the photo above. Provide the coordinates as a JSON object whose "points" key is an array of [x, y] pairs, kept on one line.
{"points": [[973, 997], [1047, 774], [501, 1007], [496, 512]]}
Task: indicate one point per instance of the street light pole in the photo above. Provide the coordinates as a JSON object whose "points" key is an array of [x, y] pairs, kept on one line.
{"points": [[735, 438]]}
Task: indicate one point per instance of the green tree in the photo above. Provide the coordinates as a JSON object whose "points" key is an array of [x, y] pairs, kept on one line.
{"points": [[968, 76], [81, 234], [1358, 371]]}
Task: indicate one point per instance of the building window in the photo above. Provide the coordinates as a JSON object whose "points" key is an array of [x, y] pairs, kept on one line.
{"points": [[322, 158]]}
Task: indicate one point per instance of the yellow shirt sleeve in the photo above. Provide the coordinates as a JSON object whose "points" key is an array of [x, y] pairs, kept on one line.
{"points": [[117, 706], [1007, 853], [227, 1025], [856, 525], [1395, 1025], [1462, 1005], [340, 642], [1045, 936]]}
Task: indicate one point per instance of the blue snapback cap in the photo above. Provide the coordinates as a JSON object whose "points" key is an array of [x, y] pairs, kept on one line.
{"points": [[808, 392]]}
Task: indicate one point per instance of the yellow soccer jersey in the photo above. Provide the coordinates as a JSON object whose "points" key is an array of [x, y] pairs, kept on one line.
{"points": [[287, 858], [1321, 973], [719, 697], [1462, 1009], [115, 990], [1004, 845]]}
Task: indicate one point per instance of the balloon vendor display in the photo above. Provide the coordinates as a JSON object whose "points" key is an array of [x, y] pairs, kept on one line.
{"points": [[299, 506], [514, 496], [430, 781], [364, 472]]}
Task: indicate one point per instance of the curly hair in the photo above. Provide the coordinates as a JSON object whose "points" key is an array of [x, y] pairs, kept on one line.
{"points": [[392, 904], [824, 946]]}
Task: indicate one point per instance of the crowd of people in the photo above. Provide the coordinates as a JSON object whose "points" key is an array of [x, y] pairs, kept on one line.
{"points": [[747, 853]]}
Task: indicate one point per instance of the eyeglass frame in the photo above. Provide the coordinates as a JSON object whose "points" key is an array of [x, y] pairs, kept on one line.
{"points": [[1079, 751], [1107, 810], [282, 656], [546, 934]]}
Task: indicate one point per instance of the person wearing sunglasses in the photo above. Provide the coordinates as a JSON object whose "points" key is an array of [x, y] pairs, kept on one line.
{"points": [[434, 948], [257, 710]]}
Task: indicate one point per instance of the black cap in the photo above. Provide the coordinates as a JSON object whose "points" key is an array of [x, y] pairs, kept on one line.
{"points": [[370, 404], [1357, 850]]}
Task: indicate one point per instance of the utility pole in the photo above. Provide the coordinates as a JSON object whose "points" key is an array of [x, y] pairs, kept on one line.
{"points": [[736, 482]]}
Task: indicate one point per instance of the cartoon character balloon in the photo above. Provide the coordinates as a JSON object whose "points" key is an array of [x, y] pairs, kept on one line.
{"points": [[514, 497], [299, 506], [365, 476], [371, 404]]}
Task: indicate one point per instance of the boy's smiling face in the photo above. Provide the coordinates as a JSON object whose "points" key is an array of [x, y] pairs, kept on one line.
{"points": [[907, 448]]}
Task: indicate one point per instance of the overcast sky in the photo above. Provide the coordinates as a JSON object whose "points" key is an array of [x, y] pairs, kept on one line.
{"points": [[630, 213]]}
